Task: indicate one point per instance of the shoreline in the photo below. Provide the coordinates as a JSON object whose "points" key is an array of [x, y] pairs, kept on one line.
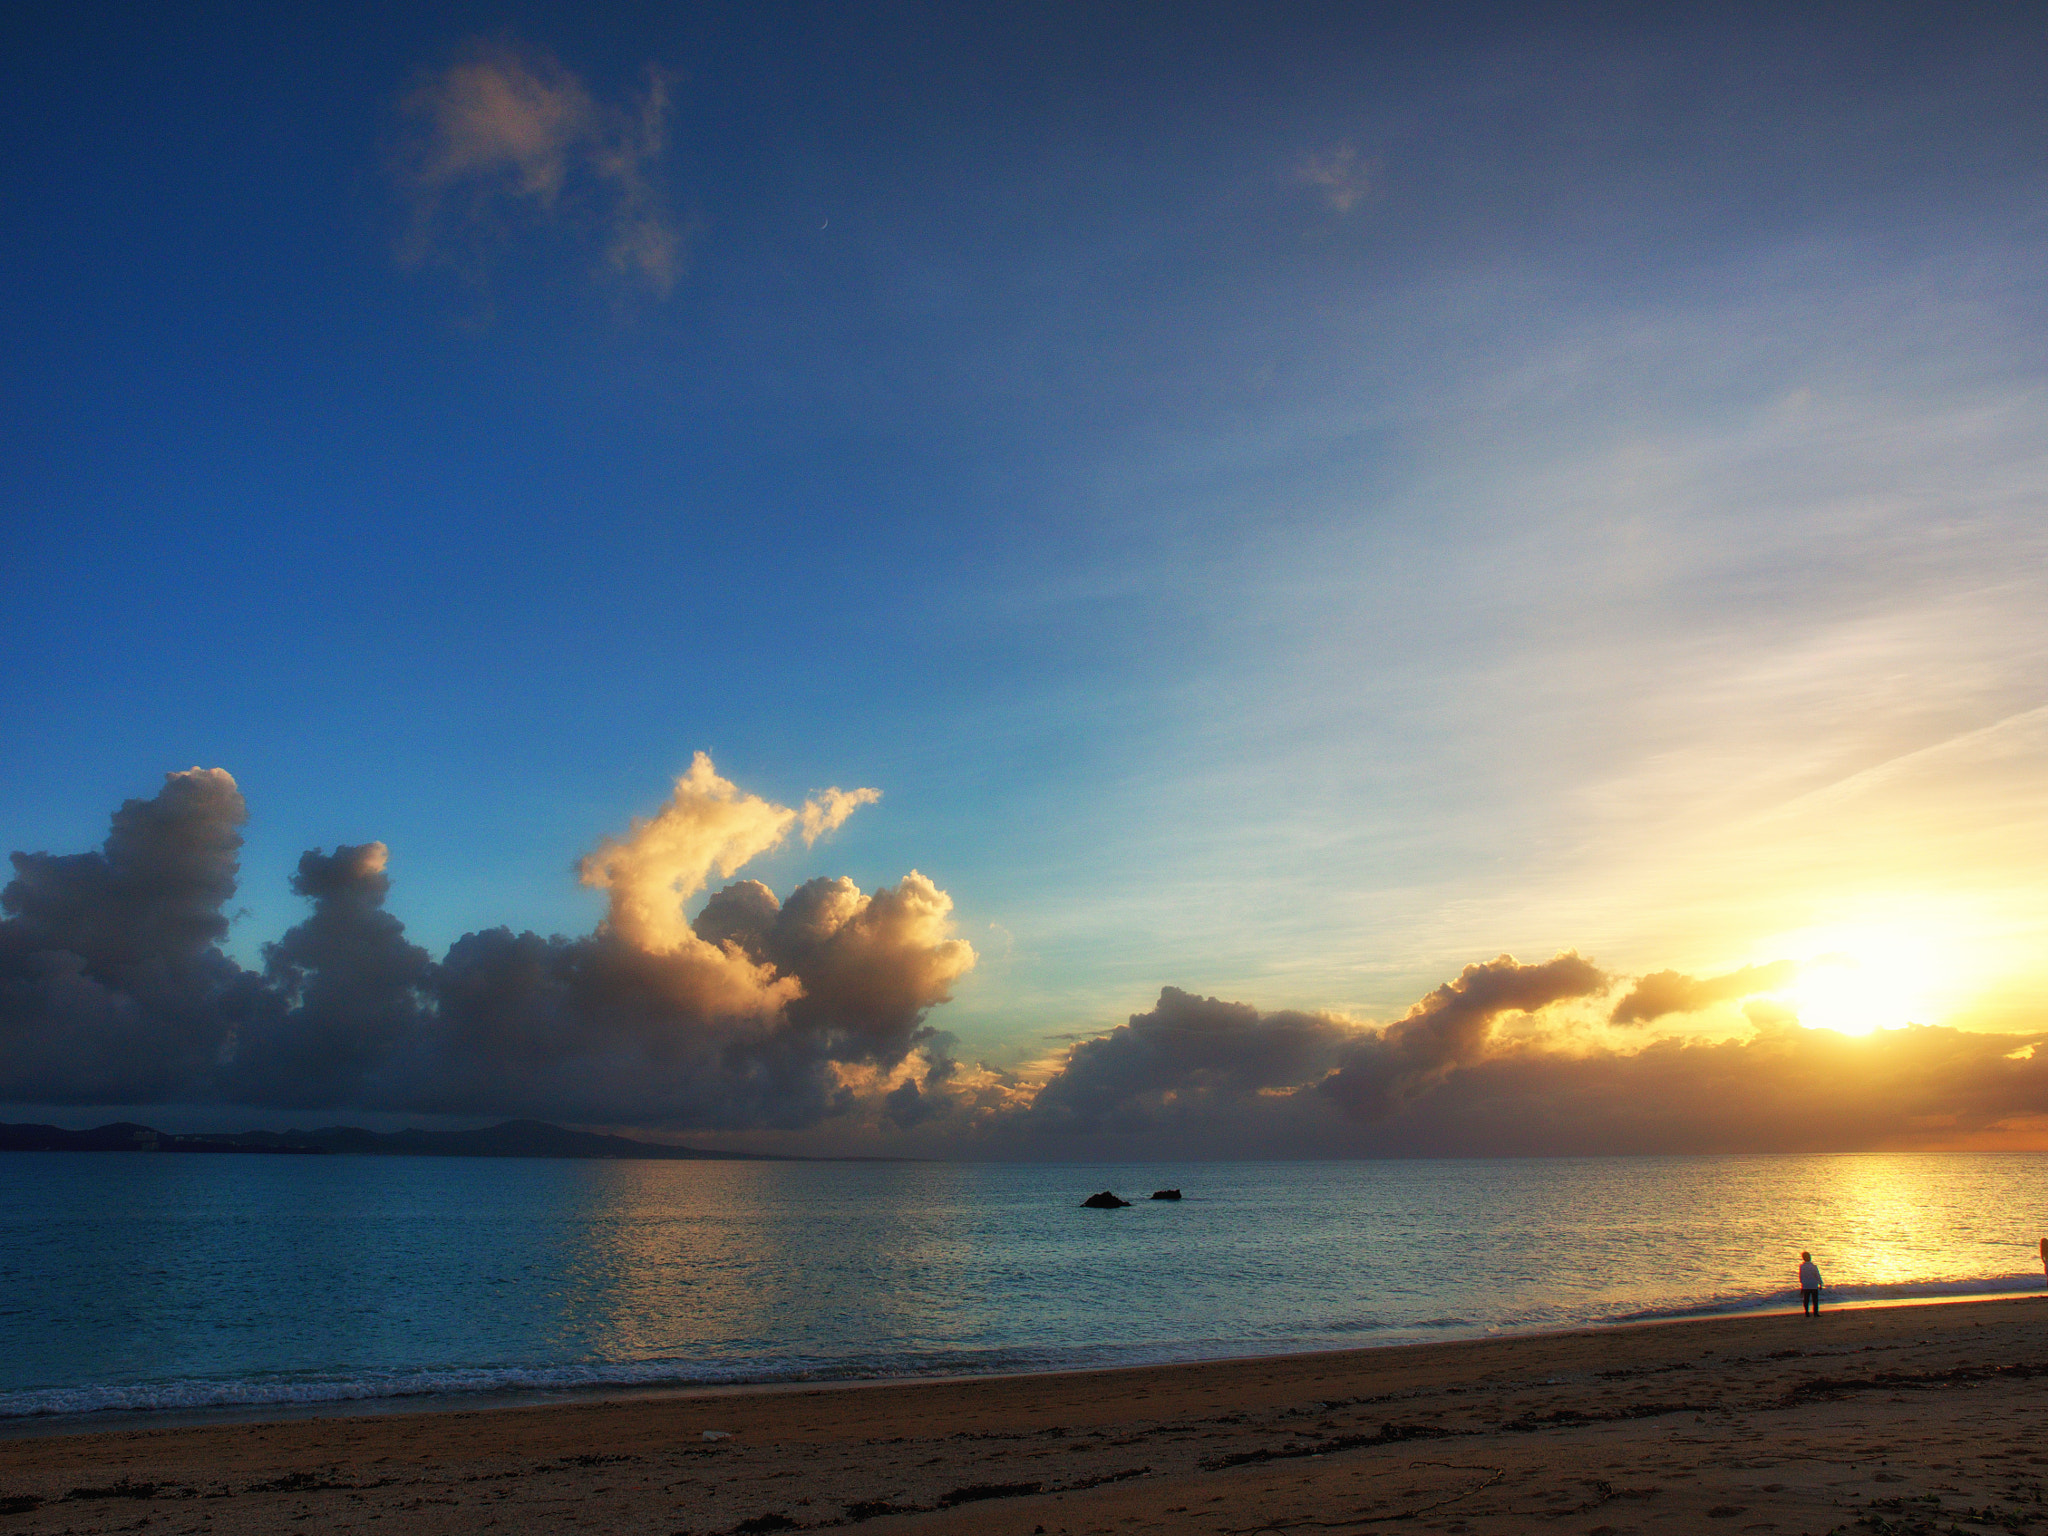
{"points": [[1793, 1423], [499, 1399]]}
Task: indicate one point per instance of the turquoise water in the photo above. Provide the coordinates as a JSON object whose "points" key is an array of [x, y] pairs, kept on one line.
{"points": [[154, 1282]]}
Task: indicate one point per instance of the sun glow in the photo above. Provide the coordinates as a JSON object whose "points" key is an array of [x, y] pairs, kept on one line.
{"points": [[1854, 981]]}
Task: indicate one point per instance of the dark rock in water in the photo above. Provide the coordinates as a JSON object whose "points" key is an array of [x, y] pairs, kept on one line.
{"points": [[1104, 1202], [1165, 1194]]}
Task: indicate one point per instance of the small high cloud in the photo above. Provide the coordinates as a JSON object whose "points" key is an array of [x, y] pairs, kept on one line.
{"points": [[1337, 175], [1667, 992], [506, 138]]}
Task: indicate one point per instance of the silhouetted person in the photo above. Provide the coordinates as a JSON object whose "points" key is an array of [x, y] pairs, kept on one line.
{"points": [[1809, 1283], [2044, 1255]]}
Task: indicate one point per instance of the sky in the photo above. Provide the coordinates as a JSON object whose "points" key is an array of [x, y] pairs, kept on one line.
{"points": [[1042, 580]]}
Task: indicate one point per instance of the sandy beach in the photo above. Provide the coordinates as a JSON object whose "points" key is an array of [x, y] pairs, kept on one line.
{"points": [[1887, 1420]]}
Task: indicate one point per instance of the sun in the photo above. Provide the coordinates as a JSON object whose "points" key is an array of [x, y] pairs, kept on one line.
{"points": [[1877, 978], [1845, 994]]}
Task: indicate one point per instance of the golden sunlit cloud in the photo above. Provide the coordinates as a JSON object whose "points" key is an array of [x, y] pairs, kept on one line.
{"points": [[827, 810], [708, 825]]}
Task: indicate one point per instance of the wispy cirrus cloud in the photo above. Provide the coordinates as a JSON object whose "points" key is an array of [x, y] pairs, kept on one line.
{"points": [[506, 139]]}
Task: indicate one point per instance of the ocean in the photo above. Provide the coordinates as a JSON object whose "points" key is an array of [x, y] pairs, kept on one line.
{"points": [[138, 1282]]}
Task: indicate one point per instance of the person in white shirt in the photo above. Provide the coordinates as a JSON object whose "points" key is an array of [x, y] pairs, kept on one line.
{"points": [[1809, 1286]]}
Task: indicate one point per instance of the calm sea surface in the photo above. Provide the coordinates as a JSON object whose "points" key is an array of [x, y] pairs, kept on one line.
{"points": [[138, 1281]]}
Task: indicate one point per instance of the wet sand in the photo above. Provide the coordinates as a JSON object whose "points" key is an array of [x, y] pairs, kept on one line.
{"points": [[1901, 1420]]}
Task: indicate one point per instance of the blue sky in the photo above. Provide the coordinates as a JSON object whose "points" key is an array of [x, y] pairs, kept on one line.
{"points": [[1283, 501]]}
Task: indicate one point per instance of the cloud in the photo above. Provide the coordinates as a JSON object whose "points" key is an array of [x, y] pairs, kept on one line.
{"points": [[112, 985], [1449, 1029], [1189, 1056], [153, 895], [598, 1030], [1205, 1078], [1667, 992], [827, 811], [874, 963], [342, 991], [1200, 1062], [750, 1017], [504, 137], [1786, 1089], [810, 1016], [1199, 1059], [1338, 176], [113, 988], [666, 859]]}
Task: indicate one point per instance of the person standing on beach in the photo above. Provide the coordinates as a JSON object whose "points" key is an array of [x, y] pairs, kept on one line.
{"points": [[1809, 1283], [2044, 1256]]}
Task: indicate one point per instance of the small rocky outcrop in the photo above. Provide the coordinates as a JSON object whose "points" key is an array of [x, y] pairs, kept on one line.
{"points": [[1104, 1202], [1165, 1194]]}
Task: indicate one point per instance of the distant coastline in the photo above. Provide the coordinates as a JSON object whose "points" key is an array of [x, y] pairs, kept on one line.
{"points": [[514, 1138]]}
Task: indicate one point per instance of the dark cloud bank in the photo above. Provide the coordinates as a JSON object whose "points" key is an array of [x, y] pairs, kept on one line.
{"points": [[113, 989], [810, 1015], [1197, 1076]]}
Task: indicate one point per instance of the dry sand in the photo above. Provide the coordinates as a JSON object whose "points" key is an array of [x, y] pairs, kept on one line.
{"points": [[1893, 1420]]}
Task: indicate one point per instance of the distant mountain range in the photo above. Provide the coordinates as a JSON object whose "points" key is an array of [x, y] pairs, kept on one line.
{"points": [[515, 1138]]}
